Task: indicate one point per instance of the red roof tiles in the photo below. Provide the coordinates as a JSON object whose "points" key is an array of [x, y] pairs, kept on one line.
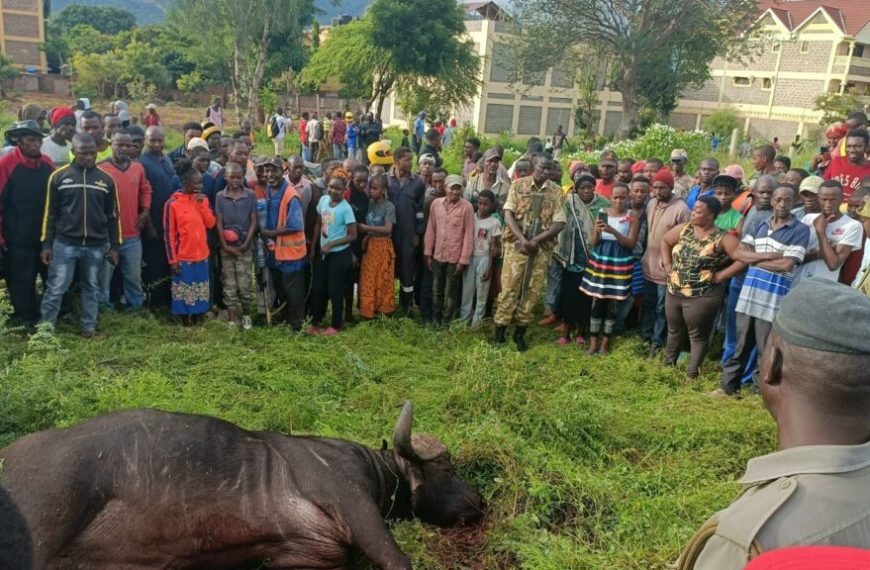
{"points": [[851, 16]]}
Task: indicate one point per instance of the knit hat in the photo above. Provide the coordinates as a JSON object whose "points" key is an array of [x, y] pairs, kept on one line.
{"points": [[664, 176], [845, 329], [61, 113], [637, 167], [584, 177], [576, 166]]}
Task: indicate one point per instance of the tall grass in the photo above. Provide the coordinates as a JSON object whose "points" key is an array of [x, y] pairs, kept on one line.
{"points": [[585, 462]]}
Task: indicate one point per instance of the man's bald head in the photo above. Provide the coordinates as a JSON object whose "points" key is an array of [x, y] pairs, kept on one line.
{"points": [[153, 131]]}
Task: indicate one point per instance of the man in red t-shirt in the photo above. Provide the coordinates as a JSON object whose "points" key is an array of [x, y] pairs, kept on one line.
{"points": [[134, 203], [607, 172], [850, 169]]}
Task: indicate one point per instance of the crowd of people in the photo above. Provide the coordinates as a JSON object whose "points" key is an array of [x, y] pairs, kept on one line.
{"points": [[207, 227]]}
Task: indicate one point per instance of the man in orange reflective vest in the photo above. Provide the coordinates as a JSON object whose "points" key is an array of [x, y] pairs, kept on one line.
{"points": [[284, 233]]}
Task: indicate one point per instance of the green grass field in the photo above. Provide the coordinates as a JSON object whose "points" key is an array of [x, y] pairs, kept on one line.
{"points": [[585, 462]]}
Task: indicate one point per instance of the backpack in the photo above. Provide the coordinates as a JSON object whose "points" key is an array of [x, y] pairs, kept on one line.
{"points": [[318, 131], [273, 128]]}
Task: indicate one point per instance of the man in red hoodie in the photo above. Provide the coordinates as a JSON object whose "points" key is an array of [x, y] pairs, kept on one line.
{"points": [[134, 204], [24, 174], [850, 169]]}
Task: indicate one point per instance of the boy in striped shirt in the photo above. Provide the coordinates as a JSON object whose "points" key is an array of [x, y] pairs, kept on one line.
{"points": [[772, 251]]}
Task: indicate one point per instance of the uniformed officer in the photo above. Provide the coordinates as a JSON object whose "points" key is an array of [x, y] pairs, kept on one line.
{"points": [[535, 214], [815, 383]]}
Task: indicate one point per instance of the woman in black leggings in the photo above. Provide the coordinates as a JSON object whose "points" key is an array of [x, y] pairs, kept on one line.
{"points": [[695, 257]]}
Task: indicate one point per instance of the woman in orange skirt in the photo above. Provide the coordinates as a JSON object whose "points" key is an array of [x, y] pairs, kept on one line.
{"points": [[376, 278]]}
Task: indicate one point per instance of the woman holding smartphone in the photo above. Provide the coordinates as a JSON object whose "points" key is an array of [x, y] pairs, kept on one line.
{"points": [[608, 275]]}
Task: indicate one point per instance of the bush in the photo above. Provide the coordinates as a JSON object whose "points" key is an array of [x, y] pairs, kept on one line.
{"points": [[722, 122], [658, 141]]}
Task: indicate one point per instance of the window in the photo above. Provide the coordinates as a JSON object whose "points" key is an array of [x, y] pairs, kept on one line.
{"points": [[766, 84], [805, 47], [742, 81], [859, 50]]}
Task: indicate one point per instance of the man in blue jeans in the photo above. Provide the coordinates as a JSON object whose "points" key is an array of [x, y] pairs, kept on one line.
{"points": [[134, 203], [81, 228]]}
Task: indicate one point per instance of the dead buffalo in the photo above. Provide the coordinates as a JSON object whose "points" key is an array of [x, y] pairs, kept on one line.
{"points": [[149, 489]]}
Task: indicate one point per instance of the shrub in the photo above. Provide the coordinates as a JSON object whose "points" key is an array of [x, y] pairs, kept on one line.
{"points": [[722, 122]]}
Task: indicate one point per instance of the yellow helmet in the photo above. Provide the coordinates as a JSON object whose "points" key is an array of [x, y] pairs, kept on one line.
{"points": [[348, 116], [380, 153]]}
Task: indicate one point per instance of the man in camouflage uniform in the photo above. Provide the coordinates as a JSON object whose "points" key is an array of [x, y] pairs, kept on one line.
{"points": [[529, 239]]}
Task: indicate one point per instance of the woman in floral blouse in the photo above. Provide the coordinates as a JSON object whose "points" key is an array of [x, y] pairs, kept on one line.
{"points": [[695, 257]]}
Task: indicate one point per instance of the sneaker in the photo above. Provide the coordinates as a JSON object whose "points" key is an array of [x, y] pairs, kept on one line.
{"points": [[314, 331], [330, 332], [246, 323], [92, 334], [562, 341]]}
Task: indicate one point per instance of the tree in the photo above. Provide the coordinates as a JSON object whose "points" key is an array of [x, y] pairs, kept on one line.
{"points": [[368, 60], [657, 48], [8, 72], [244, 30], [349, 61], [836, 106], [104, 19]]}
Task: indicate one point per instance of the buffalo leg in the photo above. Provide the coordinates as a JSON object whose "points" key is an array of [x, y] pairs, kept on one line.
{"points": [[371, 536]]}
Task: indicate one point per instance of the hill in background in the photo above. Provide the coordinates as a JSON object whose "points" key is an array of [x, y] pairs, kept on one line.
{"points": [[154, 11]]}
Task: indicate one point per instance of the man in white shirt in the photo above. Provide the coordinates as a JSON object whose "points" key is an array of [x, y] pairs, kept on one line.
{"points": [[56, 146], [315, 133], [283, 125], [833, 236]]}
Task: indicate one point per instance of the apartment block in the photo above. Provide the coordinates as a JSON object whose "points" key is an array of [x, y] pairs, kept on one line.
{"points": [[22, 30], [811, 47]]}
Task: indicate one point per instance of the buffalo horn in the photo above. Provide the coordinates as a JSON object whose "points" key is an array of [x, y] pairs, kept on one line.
{"points": [[402, 433]]}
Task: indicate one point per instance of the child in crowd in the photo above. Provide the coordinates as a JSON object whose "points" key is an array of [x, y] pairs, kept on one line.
{"points": [[487, 247], [186, 220], [336, 227], [608, 279], [376, 281], [236, 210]]}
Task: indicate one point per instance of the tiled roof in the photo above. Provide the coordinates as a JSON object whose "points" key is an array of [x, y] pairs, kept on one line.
{"points": [[851, 16]]}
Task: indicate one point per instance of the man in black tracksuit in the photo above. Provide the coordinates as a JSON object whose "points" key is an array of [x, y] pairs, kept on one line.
{"points": [[24, 174], [81, 228], [406, 192]]}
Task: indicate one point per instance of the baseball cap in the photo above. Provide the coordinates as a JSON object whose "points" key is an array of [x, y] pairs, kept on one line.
{"points": [[811, 184], [454, 180], [679, 154]]}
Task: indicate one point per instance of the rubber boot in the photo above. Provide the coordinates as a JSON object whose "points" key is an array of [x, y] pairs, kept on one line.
{"points": [[499, 337], [519, 339]]}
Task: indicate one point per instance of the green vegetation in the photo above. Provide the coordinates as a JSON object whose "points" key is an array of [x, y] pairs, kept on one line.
{"points": [[585, 462], [366, 60]]}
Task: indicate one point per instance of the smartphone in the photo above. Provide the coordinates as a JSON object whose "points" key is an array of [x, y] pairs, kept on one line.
{"points": [[823, 149], [602, 217]]}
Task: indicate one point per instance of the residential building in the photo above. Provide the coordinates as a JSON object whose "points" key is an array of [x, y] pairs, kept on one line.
{"points": [[811, 47], [22, 30]]}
